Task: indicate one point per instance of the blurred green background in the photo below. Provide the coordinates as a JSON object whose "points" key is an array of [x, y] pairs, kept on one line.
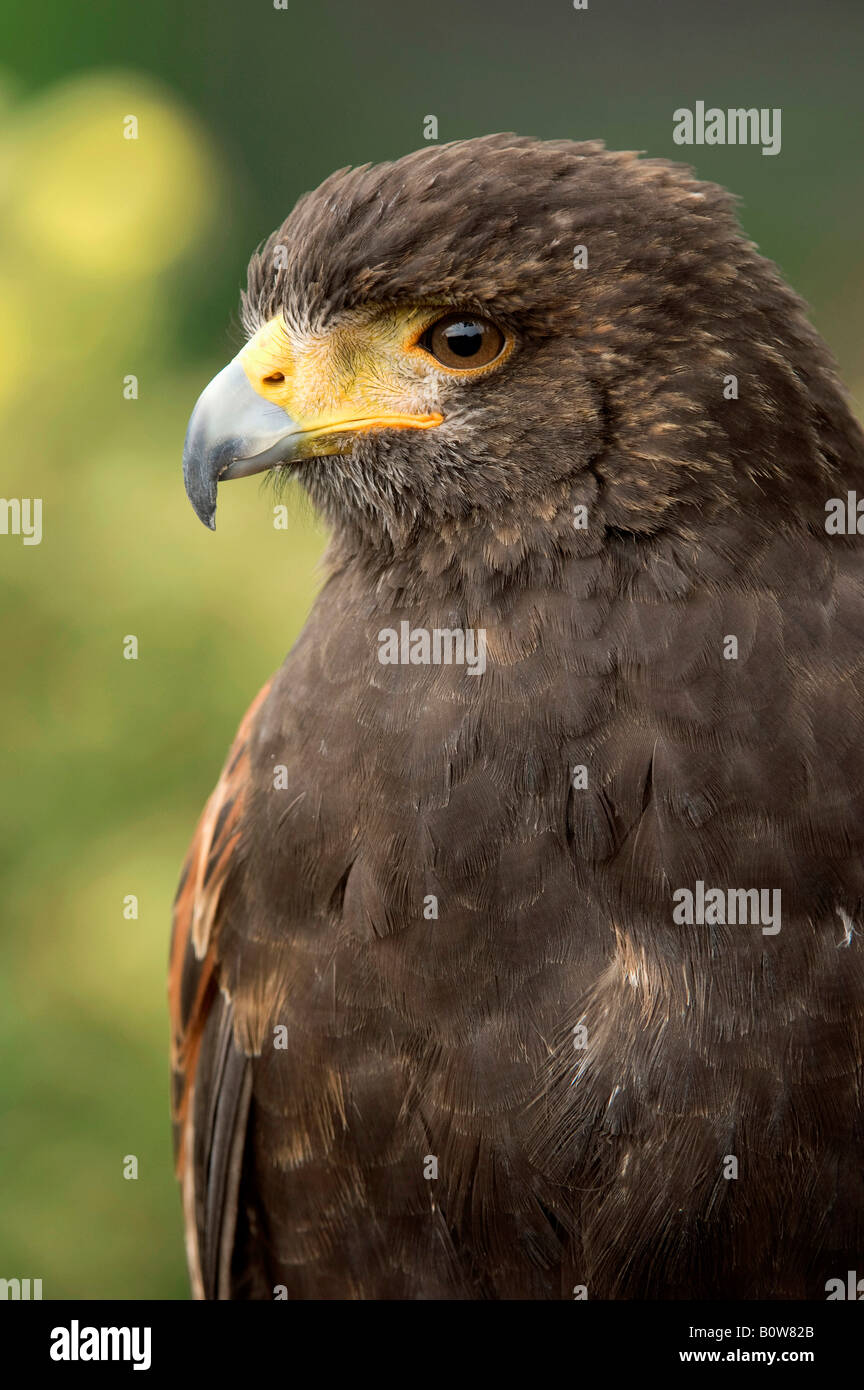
{"points": [[122, 257]]}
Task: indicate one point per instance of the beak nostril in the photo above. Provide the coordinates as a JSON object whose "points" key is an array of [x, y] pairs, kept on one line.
{"points": [[274, 378]]}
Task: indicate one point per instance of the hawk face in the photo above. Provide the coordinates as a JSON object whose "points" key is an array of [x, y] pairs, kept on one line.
{"points": [[417, 413], [413, 371], [456, 343]]}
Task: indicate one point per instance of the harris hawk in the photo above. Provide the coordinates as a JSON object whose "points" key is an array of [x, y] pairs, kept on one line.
{"points": [[444, 1025]]}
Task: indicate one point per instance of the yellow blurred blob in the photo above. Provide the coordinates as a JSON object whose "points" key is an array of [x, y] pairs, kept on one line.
{"points": [[97, 203]]}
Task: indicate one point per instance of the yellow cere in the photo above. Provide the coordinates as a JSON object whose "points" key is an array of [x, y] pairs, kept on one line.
{"points": [[361, 374]]}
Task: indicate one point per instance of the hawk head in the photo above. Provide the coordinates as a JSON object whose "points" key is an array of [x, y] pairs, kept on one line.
{"points": [[466, 340]]}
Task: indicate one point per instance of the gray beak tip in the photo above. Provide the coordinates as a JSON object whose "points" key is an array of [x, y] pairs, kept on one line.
{"points": [[200, 489], [205, 512], [233, 432]]}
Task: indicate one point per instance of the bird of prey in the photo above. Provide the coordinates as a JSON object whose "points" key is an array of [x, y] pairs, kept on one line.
{"points": [[518, 952]]}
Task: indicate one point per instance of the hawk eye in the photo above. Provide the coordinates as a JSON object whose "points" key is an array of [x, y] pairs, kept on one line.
{"points": [[463, 341]]}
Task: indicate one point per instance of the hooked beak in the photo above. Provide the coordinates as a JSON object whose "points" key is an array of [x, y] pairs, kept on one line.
{"points": [[242, 423], [233, 433]]}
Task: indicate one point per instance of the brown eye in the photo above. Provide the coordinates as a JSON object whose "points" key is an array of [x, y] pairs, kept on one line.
{"points": [[463, 341]]}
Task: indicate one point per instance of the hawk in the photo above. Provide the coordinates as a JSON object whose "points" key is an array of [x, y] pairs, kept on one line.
{"points": [[517, 951]]}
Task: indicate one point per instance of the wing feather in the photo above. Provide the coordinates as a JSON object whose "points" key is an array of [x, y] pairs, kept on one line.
{"points": [[211, 1076]]}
